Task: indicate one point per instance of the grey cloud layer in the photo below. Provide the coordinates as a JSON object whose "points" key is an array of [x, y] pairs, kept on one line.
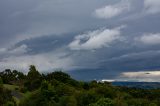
{"points": [[80, 35], [152, 6]]}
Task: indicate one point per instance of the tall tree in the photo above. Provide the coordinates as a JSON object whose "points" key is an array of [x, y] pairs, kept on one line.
{"points": [[33, 73], [34, 79], [1, 82]]}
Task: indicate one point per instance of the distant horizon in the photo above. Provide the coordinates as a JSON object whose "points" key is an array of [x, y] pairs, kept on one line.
{"points": [[131, 76]]}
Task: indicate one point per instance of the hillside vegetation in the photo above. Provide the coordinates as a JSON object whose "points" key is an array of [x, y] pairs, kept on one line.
{"points": [[59, 89]]}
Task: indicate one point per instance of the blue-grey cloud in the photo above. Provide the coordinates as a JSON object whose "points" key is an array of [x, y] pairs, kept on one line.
{"points": [[80, 35]]}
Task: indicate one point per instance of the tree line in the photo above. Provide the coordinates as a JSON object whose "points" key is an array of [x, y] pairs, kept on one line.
{"points": [[60, 89]]}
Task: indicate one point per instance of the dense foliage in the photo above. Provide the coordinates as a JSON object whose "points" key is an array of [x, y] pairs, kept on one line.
{"points": [[59, 89], [5, 96]]}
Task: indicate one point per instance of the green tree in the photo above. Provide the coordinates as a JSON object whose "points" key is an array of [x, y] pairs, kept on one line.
{"points": [[33, 73], [18, 75], [7, 76], [33, 79], [103, 102], [152, 104], [1, 82], [59, 76], [84, 98], [68, 101], [9, 103]]}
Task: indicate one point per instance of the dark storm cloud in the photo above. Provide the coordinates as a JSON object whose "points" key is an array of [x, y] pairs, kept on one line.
{"points": [[28, 19], [105, 37]]}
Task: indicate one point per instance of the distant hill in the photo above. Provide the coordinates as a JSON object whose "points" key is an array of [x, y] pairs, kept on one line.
{"points": [[143, 85]]}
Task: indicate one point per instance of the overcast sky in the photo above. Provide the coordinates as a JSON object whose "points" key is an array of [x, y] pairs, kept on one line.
{"points": [[90, 39]]}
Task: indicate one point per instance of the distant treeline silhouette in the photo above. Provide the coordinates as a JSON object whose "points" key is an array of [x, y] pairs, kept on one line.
{"points": [[60, 89]]}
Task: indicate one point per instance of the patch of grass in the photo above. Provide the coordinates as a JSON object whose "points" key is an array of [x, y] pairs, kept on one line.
{"points": [[10, 87], [27, 94], [16, 100], [15, 88]]}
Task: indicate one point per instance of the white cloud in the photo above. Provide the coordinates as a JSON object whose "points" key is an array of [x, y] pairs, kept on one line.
{"points": [[148, 76], [110, 11], [149, 39], [152, 6], [96, 39], [14, 51]]}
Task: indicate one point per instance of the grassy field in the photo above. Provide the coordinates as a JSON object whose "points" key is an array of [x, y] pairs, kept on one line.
{"points": [[15, 92], [11, 87]]}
